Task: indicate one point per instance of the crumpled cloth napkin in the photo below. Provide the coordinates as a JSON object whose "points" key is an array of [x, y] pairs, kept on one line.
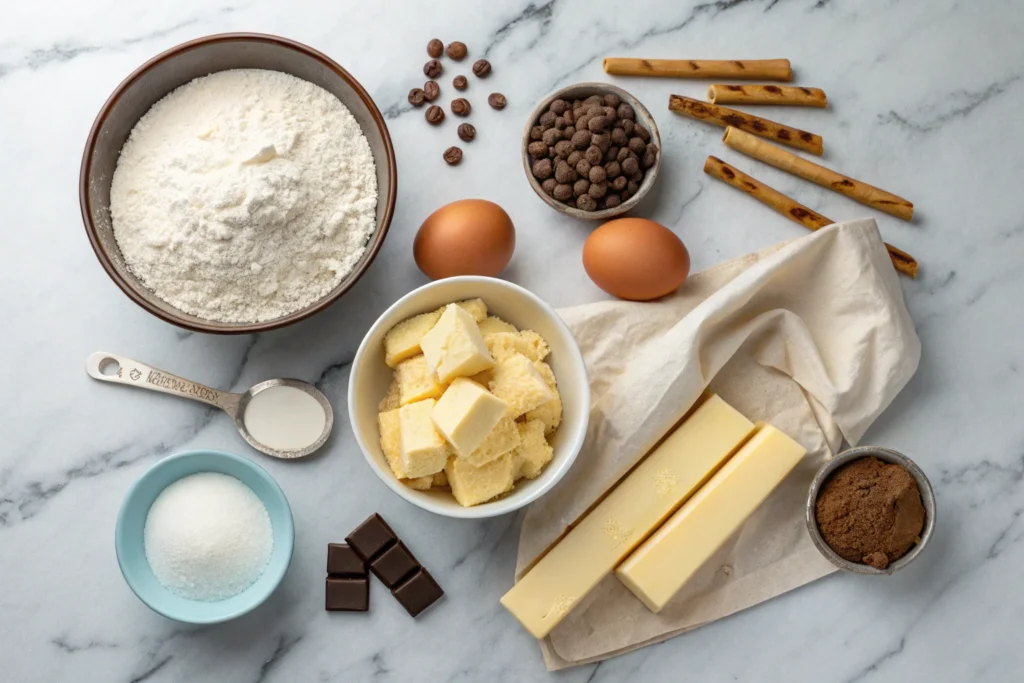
{"points": [[811, 335]]}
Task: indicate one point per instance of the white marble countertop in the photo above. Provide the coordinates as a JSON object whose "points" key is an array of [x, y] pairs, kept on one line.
{"points": [[925, 100]]}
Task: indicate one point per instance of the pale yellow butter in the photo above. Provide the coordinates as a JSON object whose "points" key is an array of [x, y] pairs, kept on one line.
{"points": [[645, 498], [474, 485], [492, 325], [529, 343], [534, 451], [419, 483], [502, 439], [466, 414], [391, 440], [393, 399], [424, 451], [454, 347], [517, 382], [416, 381], [403, 340], [550, 412]]}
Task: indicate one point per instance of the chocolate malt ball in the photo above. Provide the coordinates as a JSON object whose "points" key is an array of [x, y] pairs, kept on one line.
{"points": [[594, 155], [629, 166], [569, 131], [619, 183], [547, 119], [596, 124], [612, 154], [622, 155], [551, 136], [551, 152], [602, 141], [625, 112], [625, 194], [619, 137], [612, 115], [593, 99], [611, 100], [536, 133], [549, 186], [613, 170], [611, 201], [542, 169], [597, 190], [597, 174], [563, 192], [595, 110], [631, 187], [583, 168], [537, 149], [586, 202], [559, 107], [568, 116], [561, 123], [580, 187], [581, 139], [650, 156], [564, 148], [564, 173], [628, 127], [642, 133], [637, 146], [638, 177], [435, 48]]}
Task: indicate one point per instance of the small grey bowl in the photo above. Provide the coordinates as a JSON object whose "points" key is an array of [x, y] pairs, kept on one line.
{"points": [[888, 455], [582, 91]]}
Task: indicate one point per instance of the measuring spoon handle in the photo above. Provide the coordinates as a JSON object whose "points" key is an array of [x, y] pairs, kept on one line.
{"points": [[123, 370]]}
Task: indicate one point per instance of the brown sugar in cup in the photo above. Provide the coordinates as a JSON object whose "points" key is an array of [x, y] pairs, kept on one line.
{"points": [[870, 510]]}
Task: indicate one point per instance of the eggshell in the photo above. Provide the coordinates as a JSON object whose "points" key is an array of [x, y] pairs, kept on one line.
{"points": [[467, 237], [636, 259]]}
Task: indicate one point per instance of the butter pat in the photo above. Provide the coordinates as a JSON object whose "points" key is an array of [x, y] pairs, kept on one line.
{"points": [[416, 382], [549, 412], [454, 347], [403, 340], [659, 568], [529, 343], [534, 451], [466, 414], [388, 425], [474, 485], [493, 325], [502, 439], [517, 382], [424, 451], [641, 502]]}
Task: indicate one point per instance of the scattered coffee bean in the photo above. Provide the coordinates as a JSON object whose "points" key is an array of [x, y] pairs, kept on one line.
{"points": [[435, 48], [497, 101], [435, 115], [453, 155], [481, 68], [461, 107], [460, 82], [432, 69], [549, 186], [466, 132], [457, 51], [417, 97], [431, 90]]}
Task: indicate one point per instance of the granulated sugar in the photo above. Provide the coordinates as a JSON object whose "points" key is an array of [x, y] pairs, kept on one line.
{"points": [[208, 537], [244, 195]]}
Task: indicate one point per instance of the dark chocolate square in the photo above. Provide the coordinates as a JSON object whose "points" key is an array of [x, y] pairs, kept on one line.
{"points": [[348, 594], [394, 564], [418, 592], [371, 537], [342, 560]]}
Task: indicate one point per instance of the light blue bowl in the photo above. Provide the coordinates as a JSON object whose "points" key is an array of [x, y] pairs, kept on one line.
{"points": [[131, 524]]}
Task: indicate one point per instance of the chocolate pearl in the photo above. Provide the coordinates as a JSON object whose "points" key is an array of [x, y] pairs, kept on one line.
{"points": [[594, 155], [637, 146], [564, 173], [467, 132], [569, 116], [432, 69], [482, 68], [611, 201], [461, 107], [581, 139], [564, 148], [643, 133], [629, 165], [542, 169], [625, 194], [611, 114], [613, 170], [563, 192], [435, 48], [581, 121], [560, 123], [593, 99], [549, 186], [611, 100], [631, 187], [457, 51], [597, 174], [547, 119], [619, 184], [650, 156], [625, 111], [460, 82], [637, 177], [622, 155], [569, 131], [536, 133], [627, 128], [602, 141], [586, 203], [596, 124], [551, 152], [612, 154], [619, 137], [551, 136], [453, 155], [435, 115], [431, 90], [574, 157], [537, 149], [597, 190], [583, 167], [417, 97], [559, 107], [580, 187], [498, 101]]}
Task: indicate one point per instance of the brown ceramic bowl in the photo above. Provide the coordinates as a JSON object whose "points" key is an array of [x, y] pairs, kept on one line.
{"points": [[177, 66], [582, 91]]}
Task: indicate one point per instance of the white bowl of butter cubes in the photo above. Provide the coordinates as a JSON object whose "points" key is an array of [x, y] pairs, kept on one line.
{"points": [[469, 397]]}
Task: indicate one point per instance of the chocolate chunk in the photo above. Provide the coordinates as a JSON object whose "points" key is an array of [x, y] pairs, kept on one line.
{"points": [[371, 537], [342, 560], [347, 594], [418, 592], [394, 564]]}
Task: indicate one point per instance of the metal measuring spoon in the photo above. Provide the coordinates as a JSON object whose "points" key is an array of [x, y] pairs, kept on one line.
{"points": [[110, 367]]}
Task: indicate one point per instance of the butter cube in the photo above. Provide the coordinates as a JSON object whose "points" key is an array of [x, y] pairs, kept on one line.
{"points": [[454, 348], [419, 483], [424, 451], [533, 452], [493, 325], [518, 383], [393, 398], [391, 440], [529, 343], [440, 479], [549, 413], [474, 485], [466, 414], [403, 340], [415, 381], [502, 439]]}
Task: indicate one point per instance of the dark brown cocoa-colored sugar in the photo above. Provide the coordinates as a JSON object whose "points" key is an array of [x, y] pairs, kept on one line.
{"points": [[870, 511]]}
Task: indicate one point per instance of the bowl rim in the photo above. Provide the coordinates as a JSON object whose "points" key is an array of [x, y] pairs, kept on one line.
{"points": [[213, 327], [649, 178], [502, 505], [887, 455], [186, 455]]}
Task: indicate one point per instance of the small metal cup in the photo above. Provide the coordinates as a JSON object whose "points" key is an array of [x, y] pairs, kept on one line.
{"points": [[888, 455]]}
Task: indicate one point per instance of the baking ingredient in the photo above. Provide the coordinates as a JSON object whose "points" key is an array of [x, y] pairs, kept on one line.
{"points": [[371, 537], [424, 451], [403, 340], [481, 68], [432, 69], [394, 564], [736, 69], [431, 90], [343, 560], [870, 511], [284, 418], [244, 196], [466, 414], [466, 132], [636, 259], [593, 150], [516, 380], [417, 97], [454, 347], [457, 51], [434, 115], [418, 592], [636, 506], [435, 48], [453, 156], [497, 101], [718, 115], [767, 94], [466, 237], [461, 107], [474, 485], [207, 537], [656, 570], [347, 594], [460, 82]]}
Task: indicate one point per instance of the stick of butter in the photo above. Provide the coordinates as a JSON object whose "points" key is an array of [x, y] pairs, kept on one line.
{"points": [[644, 499], [660, 567]]}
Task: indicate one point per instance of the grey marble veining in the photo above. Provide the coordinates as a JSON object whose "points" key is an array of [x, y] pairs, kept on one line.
{"points": [[925, 100]]}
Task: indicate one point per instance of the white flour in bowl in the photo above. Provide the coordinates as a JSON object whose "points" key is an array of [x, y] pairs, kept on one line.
{"points": [[244, 196]]}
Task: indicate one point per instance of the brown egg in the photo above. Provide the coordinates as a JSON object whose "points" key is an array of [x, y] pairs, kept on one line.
{"points": [[636, 259], [467, 237]]}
